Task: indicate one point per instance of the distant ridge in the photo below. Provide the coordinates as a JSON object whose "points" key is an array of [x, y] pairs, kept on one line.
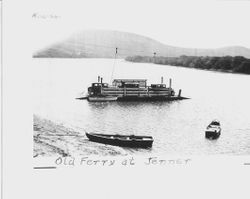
{"points": [[102, 44]]}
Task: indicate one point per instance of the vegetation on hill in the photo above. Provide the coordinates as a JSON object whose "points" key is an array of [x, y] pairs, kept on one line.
{"points": [[237, 64]]}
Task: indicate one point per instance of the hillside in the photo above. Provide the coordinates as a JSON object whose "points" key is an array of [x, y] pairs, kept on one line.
{"points": [[102, 44]]}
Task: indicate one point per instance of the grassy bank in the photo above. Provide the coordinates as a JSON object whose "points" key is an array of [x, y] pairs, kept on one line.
{"points": [[237, 64]]}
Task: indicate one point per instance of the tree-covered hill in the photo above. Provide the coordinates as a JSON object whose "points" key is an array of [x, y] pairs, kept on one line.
{"points": [[237, 64]]}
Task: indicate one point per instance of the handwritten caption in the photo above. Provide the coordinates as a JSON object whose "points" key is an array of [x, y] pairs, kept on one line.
{"points": [[129, 161], [44, 16]]}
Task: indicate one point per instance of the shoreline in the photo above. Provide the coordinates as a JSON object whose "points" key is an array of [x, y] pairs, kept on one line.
{"points": [[226, 64], [52, 139]]}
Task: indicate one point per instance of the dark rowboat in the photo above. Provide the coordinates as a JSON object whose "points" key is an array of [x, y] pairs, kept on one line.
{"points": [[213, 130], [122, 140]]}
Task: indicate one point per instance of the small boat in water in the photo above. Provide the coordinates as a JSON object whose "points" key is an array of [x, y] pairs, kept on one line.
{"points": [[122, 140], [213, 130]]}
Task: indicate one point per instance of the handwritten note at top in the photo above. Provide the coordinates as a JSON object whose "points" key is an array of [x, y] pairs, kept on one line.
{"points": [[44, 16]]}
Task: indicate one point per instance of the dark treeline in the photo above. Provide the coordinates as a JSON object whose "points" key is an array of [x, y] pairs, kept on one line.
{"points": [[237, 64]]}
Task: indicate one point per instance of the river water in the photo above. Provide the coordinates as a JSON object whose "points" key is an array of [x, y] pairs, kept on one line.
{"points": [[177, 127]]}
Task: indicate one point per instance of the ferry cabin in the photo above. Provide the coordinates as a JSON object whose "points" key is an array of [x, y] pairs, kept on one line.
{"points": [[130, 88], [127, 82]]}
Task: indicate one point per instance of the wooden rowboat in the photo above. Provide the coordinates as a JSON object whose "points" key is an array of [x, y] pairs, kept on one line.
{"points": [[213, 130], [122, 140]]}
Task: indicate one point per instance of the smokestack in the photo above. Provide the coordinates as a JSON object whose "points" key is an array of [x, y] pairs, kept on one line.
{"points": [[161, 80], [179, 94], [101, 80], [170, 83], [98, 79]]}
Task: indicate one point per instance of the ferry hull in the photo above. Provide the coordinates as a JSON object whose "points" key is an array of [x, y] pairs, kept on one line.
{"points": [[101, 99], [150, 98]]}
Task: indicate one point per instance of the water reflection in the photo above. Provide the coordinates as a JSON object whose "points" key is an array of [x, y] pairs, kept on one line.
{"points": [[129, 104]]}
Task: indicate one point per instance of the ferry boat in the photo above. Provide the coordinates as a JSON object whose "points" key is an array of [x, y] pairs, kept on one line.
{"points": [[131, 89]]}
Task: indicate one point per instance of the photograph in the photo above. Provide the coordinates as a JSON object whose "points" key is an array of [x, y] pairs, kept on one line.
{"points": [[124, 99], [137, 78]]}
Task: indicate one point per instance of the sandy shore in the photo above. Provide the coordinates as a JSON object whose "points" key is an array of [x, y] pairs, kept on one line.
{"points": [[51, 139]]}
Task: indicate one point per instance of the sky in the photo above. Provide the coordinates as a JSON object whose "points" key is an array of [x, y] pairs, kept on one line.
{"points": [[195, 24]]}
